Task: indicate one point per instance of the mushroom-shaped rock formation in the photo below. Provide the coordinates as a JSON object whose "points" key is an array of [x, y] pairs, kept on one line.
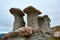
{"points": [[32, 14], [46, 23], [22, 32], [19, 21]]}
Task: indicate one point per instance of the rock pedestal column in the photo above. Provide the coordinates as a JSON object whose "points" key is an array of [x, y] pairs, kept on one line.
{"points": [[18, 15], [32, 14]]}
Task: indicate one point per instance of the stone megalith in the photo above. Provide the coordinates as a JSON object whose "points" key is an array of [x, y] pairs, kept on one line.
{"points": [[32, 14], [18, 15]]}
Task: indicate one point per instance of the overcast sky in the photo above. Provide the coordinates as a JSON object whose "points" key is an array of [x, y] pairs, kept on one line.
{"points": [[47, 7]]}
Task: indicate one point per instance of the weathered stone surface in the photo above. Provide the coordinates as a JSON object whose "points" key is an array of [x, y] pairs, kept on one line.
{"points": [[18, 15], [17, 38], [34, 36]]}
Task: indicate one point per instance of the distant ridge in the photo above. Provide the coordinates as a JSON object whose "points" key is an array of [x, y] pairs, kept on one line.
{"points": [[1, 36]]}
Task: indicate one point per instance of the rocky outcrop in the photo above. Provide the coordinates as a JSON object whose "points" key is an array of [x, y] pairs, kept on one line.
{"points": [[38, 28]]}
